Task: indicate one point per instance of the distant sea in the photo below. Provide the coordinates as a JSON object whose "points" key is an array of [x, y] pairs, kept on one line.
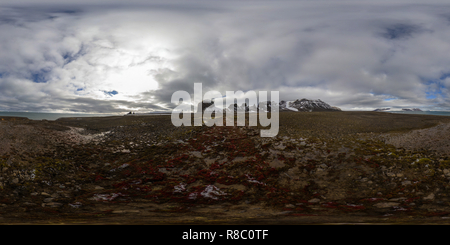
{"points": [[435, 113], [51, 116]]}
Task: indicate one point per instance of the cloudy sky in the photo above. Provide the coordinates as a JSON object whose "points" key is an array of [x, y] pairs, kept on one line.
{"points": [[110, 57]]}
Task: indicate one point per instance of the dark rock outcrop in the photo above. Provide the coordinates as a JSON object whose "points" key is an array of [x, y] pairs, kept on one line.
{"points": [[205, 105]]}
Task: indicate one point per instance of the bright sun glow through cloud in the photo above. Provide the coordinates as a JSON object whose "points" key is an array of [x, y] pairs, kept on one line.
{"points": [[95, 56]]}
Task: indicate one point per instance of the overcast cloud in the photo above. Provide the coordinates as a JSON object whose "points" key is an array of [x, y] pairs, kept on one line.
{"points": [[108, 57]]}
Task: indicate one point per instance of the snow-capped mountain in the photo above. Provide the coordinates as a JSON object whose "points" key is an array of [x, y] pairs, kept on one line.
{"points": [[265, 105], [398, 109], [382, 109], [297, 105], [306, 105], [412, 109]]}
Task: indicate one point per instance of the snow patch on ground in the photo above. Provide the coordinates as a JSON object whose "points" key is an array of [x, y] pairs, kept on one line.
{"points": [[106, 197], [212, 191], [180, 188]]}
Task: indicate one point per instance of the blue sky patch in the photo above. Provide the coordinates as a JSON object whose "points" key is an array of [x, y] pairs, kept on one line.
{"points": [[69, 58], [444, 76], [436, 91], [431, 95], [39, 77], [435, 87], [111, 93]]}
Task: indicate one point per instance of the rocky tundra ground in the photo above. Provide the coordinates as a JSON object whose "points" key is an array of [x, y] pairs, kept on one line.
{"points": [[323, 167]]}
